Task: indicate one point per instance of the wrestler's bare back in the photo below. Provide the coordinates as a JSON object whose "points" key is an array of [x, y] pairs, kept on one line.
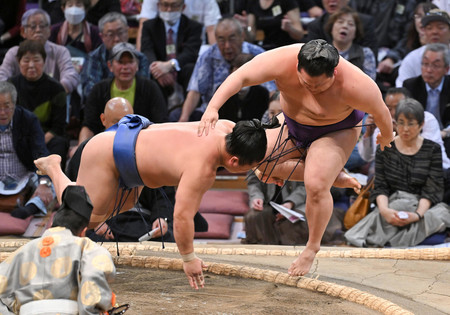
{"points": [[164, 152]]}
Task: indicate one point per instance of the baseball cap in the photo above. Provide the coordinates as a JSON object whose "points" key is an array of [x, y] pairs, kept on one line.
{"points": [[120, 48], [75, 198], [435, 15]]}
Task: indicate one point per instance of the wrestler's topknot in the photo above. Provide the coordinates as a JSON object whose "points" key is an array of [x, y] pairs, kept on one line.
{"points": [[318, 57], [248, 141]]}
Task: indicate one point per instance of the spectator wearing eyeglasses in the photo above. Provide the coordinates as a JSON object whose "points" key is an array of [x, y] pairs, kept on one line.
{"points": [[436, 26], [171, 42], [36, 26], [213, 67], [432, 87], [113, 30]]}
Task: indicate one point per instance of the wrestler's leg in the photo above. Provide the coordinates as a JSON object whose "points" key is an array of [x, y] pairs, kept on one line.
{"points": [[285, 164], [325, 160], [51, 166]]}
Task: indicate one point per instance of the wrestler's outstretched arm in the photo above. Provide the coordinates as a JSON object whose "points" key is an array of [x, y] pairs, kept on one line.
{"points": [[51, 166], [260, 69], [189, 194], [366, 96]]}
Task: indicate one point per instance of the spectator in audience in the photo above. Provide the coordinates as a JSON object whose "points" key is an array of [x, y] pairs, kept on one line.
{"points": [[432, 87], [430, 130], [129, 226], [61, 272], [413, 38], [408, 190], [260, 219], [42, 95], [171, 42], [144, 95], [22, 141], [264, 225], [345, 28], [279, 20], [98, 8], [58, 65], [213, 67], [250, 102], [10, 14], [206, 12], [436, 25], [390, 18], [78, 35], [113, 30], [316, 28]]}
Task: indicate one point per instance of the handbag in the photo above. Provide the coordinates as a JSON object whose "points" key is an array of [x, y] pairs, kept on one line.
{"points": [[9, 202], [360, 207]]}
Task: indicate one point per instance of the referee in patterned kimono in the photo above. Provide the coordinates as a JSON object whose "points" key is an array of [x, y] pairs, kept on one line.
{"points": [[61, 272]]}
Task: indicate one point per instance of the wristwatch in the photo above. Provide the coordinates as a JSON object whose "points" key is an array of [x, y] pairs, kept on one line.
{"points": [[174, 65], [45, 181]]}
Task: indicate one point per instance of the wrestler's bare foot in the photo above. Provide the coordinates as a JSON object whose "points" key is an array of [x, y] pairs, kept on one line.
{"points": [[343, 180], [45, 164], [302, 264]]}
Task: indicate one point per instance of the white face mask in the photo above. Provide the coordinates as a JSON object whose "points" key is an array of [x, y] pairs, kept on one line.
{"points": [[74, 15], [170, 17]]}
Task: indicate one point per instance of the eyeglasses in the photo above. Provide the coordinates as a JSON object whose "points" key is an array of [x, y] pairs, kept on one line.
{"points": [[432, 66], [6, 109], [232, 40], [33, 27], [403, 124], [119, 33], [172, 6]]}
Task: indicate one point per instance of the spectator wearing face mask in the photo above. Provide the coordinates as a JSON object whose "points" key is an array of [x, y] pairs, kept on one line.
{"points": [[78, 35], [171, 42]]}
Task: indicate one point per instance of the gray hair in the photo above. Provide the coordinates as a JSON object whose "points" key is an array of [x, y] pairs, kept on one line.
{"points": [[439, 47], [8, 88], [111, 17], [232, 20], [411, 108], [33, 12]]}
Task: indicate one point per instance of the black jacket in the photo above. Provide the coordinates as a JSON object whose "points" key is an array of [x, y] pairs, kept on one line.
{"points": [[189, 40], [418, 91], [28, 137], [148, 102]]}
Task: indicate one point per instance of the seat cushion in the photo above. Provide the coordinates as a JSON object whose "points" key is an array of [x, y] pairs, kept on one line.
{"points": [[232, 202], [219, 226], [10, 225], [435, 239]]}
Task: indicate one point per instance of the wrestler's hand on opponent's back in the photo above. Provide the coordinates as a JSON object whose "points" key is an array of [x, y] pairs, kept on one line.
{"points": [[209, 119]]}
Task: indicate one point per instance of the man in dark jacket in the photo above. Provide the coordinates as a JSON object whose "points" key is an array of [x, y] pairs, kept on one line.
{"points": [[171, 42], [22, 141], [143, 94]]}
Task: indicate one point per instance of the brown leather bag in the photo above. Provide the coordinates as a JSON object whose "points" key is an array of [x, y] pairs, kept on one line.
{"points": [[9, 202], [360, 207]]}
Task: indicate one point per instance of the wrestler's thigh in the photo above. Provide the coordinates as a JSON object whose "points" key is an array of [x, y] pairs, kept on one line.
{"points": [[327, 156], [277, 146]]}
